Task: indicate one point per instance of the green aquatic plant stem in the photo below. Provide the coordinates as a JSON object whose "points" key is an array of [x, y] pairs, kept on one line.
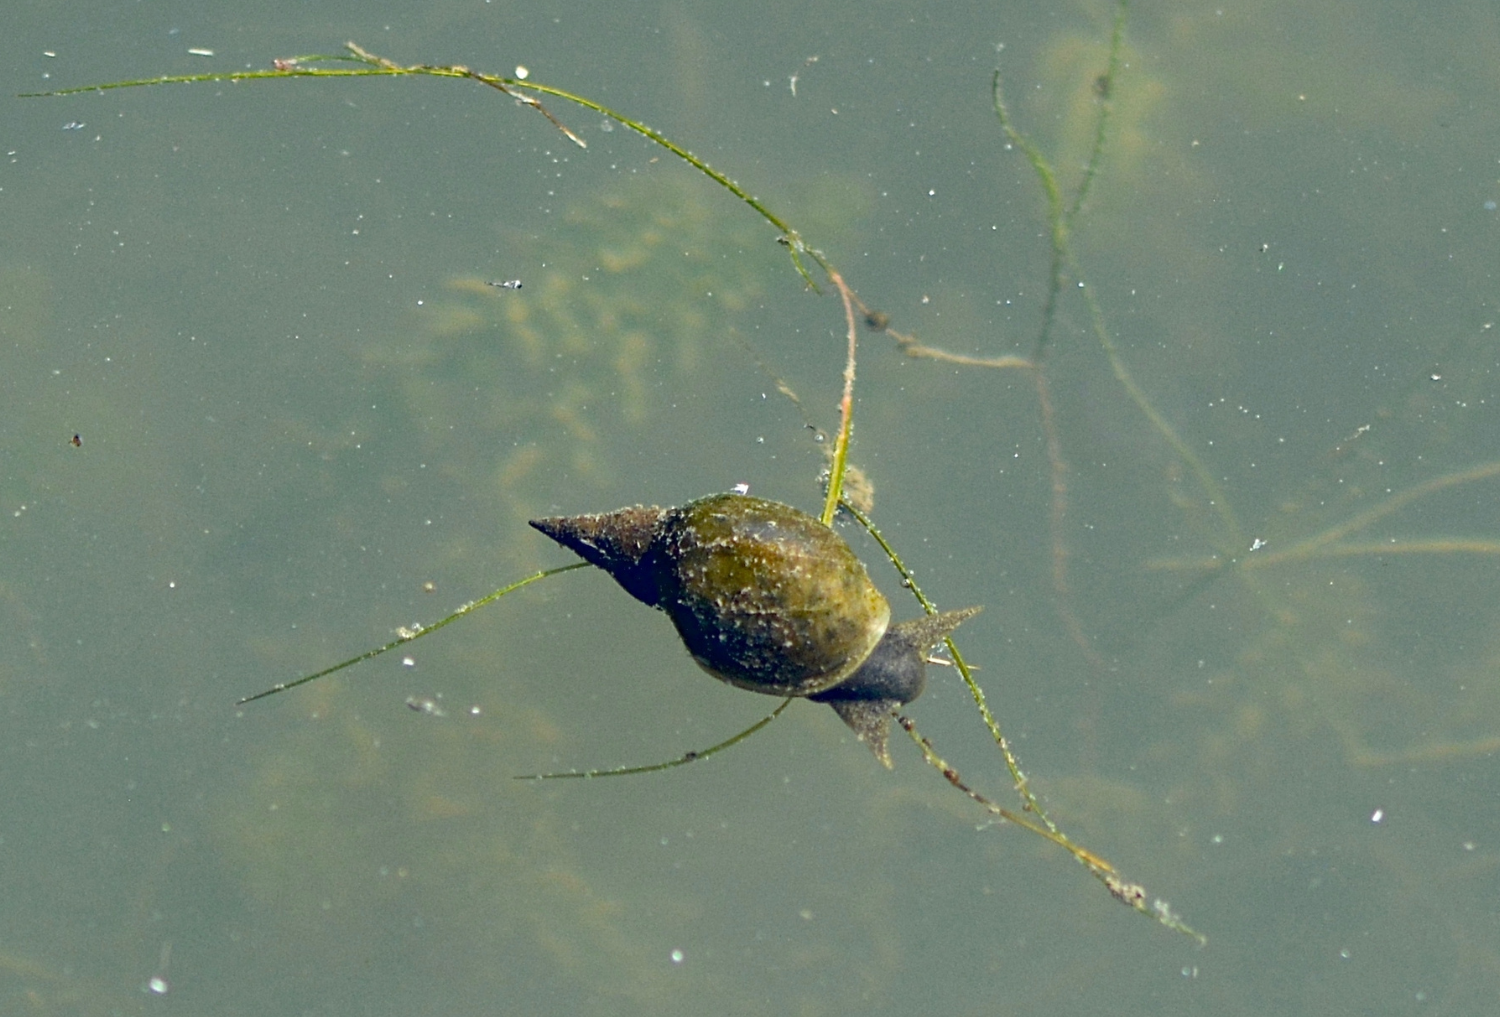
{"points": [[1301, 553], [788, 236], [291, 67], [1320, 543], [405, 635], [1060, 216], [1234, 533], [1105, 87], [840, 462], [1132, 895], [1328, 543], [1057, 217], [377, 66], [682, 760], [1023, 787], [1061, 213], [373, 65]]}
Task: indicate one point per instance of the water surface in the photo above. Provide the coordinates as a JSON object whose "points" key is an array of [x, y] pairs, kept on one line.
{"points": [[261, 307]]}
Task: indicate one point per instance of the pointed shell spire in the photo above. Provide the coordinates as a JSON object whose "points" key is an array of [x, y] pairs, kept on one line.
{"points": [[618, 542]]}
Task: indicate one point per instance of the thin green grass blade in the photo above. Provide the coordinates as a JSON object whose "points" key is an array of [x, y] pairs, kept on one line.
{"points": [[413, 634], [682, 760]]}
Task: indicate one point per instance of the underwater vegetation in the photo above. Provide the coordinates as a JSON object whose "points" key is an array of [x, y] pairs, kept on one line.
{"points": [[1246, 632], [640, 284]]}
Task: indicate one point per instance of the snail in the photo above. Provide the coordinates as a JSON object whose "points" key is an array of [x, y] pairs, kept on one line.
{"points": [[766, 598]]}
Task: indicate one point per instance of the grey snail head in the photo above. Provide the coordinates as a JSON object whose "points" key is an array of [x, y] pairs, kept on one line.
{"points": [[766, 598]]}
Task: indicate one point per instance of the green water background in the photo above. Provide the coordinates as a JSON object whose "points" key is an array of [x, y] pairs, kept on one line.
{"points": [[261, 308]]}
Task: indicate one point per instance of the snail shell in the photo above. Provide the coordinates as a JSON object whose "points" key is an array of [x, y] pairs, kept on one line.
{"points": [[766, 598]]}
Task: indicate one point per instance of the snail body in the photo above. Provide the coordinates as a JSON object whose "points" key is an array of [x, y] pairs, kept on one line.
{"points": [[766, 598]]}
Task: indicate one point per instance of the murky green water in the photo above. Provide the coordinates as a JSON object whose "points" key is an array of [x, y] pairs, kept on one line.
{"points": [[262, 309]]}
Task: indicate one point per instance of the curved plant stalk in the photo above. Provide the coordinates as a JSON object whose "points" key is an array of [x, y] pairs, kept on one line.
{"points": [[840, 461], [1329, 543], [406, 635], [1323, 543], [1060, 214], [1061, 211], [686, 757], [373, 65], [377, 66], [910, 582], [524, 92], [1132, 895], [1234, 534]]}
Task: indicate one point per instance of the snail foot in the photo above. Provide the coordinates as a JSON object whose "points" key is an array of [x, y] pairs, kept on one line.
{"points": [[870, 720]]}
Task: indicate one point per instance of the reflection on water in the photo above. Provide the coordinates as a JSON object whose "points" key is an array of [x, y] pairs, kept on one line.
{"points": [[1275, 703]]}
